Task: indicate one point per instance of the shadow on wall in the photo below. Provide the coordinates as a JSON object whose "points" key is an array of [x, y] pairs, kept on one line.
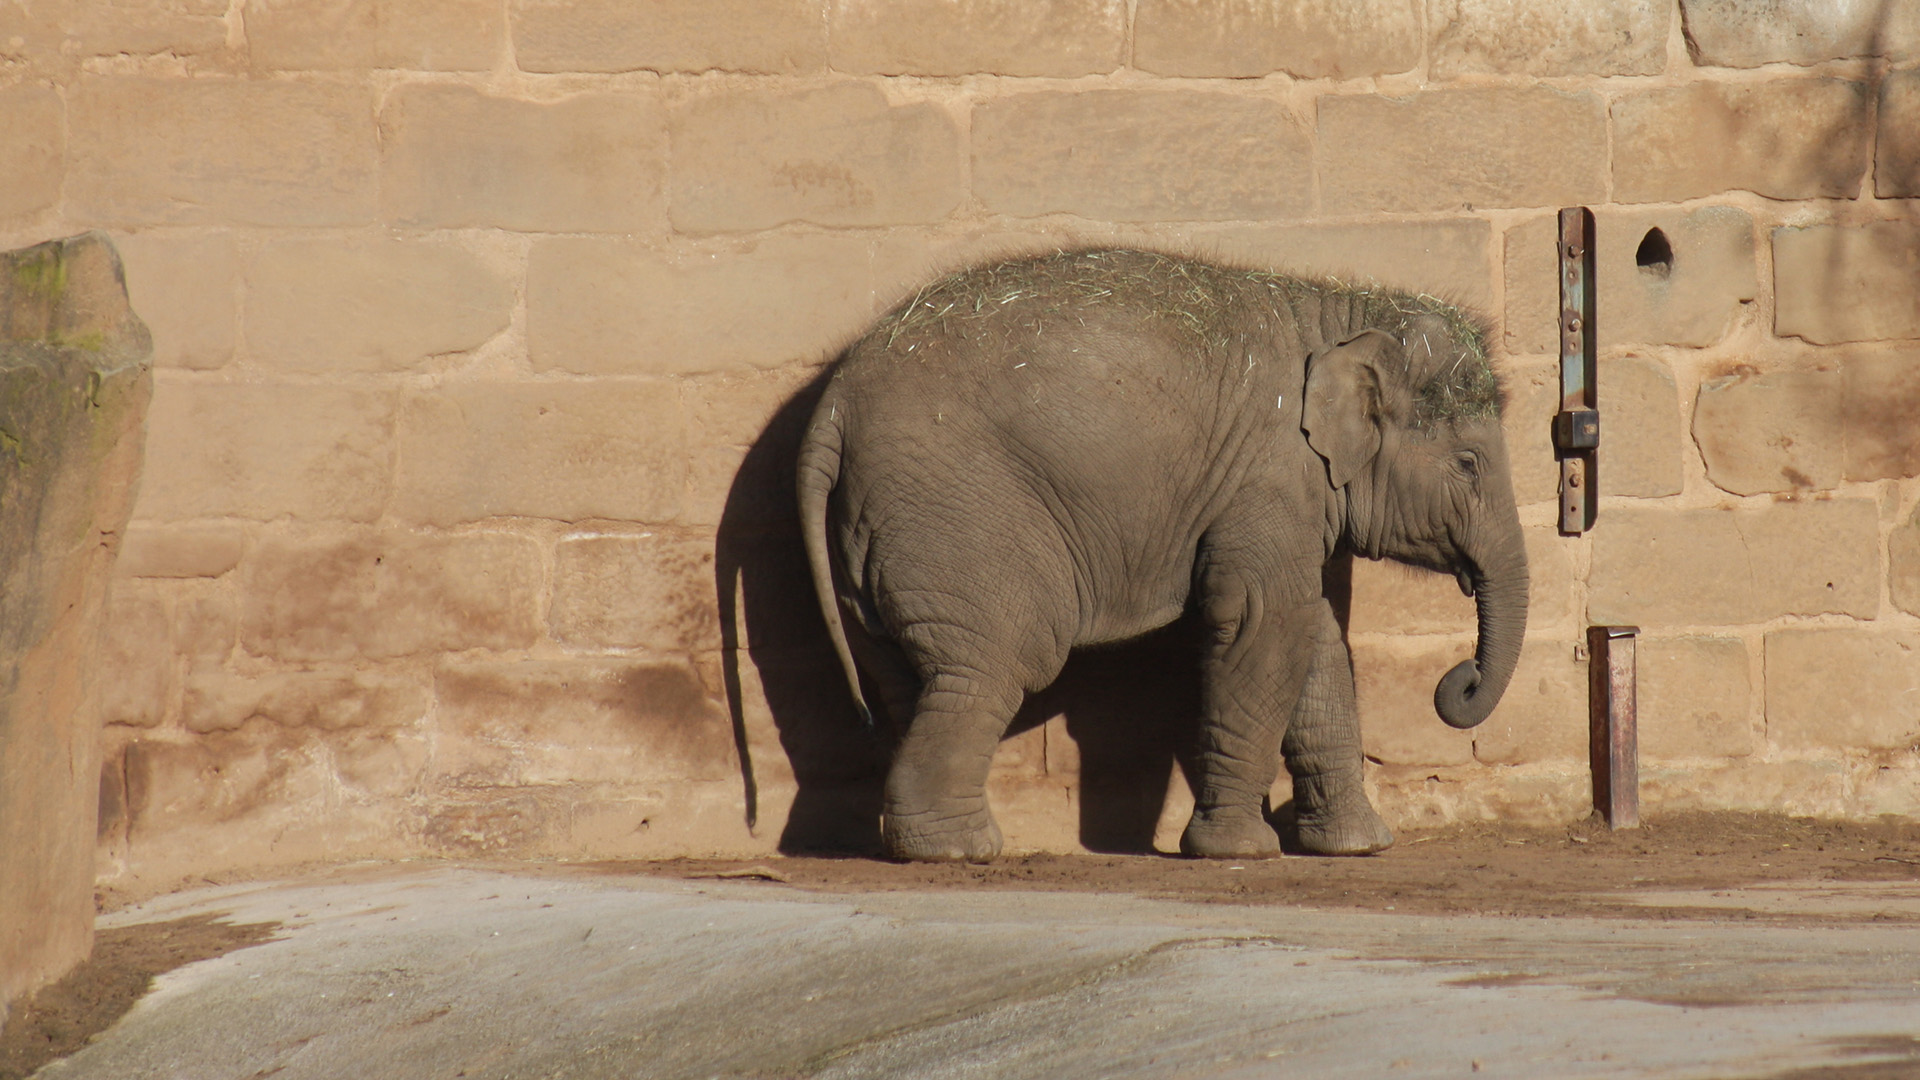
{"points": [[1129, 709]]}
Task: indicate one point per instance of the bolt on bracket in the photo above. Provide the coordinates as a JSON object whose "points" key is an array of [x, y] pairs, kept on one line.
{"points": [[1576, 428]]}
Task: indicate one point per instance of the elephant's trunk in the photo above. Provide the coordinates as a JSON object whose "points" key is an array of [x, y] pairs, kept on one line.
{"points": [[1467, 694]]}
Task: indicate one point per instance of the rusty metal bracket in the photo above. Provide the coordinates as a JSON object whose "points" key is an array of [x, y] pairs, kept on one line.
{"points": [[1613, 746], [1576, 429]]}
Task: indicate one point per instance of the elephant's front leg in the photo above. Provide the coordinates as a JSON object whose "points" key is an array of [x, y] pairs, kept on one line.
{"points": [[1322, 749], [1251, 676]]}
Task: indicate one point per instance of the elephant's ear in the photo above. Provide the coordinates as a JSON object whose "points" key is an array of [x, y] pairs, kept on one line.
{"points": [[1343, 411]]}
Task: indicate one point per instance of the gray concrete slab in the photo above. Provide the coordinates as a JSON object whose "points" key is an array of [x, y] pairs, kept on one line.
{"points": [[442, 972]]}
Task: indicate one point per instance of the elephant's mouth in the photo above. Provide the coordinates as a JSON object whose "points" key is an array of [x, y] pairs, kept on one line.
{"points": [[1466, 582]]}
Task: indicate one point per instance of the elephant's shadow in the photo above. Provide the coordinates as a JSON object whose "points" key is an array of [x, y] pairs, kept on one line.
{"points": [[1130, 709]]}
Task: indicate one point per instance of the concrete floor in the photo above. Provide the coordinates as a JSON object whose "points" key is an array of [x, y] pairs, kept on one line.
{"points": [[433, 972]]}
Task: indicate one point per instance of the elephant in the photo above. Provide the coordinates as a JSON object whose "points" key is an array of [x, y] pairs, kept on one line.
{"points": [[1076, 448]]}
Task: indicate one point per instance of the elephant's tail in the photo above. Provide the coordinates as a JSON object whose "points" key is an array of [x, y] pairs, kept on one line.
{"points": [[819, 469]]}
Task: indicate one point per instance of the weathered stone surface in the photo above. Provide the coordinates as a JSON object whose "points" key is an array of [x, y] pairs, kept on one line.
{"points": [[614, 449], [57, 40], [206, 626], [1440, 258], [137, 655], [186, 287], [766, 36], [1836, 283], [347, 35], [1782, 138], [32, 150], [1903, 565], [388, 594], [266, 450], [180, 551], [74, 384], [836, 155], [580, 721], [616, 307], [1782, 431], [624, 592], [1896, 162], [1001, 37], [325, 701], [1393, 684], [1874, 706], [218, 151], [1543, 715], [1644, 441], [1449, 149], [1393, 598], [1749, 33], [1533, 397], [1883, 398], [1693, 698], [1104, 154], [456, 158], [1546, 37], [1692, 299], [1308, 39], [1657, 567], [338, 305]]}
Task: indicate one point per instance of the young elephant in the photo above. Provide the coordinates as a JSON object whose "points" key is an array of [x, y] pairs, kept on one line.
{"points": [[1077, 448]]}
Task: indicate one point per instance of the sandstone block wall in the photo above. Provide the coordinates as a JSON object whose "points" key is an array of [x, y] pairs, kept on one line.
{"points": [[479, 320]]}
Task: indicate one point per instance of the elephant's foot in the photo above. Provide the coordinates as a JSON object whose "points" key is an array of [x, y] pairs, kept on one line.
{"points": [[1335, 818], [1229, 834], [920, 838]]}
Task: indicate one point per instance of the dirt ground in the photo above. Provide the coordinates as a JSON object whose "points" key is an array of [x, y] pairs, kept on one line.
{"points": [[1585, 871]]}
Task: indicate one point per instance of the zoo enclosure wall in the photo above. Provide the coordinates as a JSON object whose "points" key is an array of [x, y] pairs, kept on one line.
{"points": [[469, 313]]}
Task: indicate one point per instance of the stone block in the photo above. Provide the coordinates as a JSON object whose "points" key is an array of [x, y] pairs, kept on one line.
{"points": [[624, 592], [835, 155], [1896, 161], [33, 147], [378, 595], [368, 701], [180, 551], [1543, 715], [1801, 138], [267, 450], [186, 287], [1835, 283], [1875, 705], [353, 35], [1307, 39], [495, 824], [773, 37], [615, 307], [1393, 683], [1749, 33], [1061, 40], [136, 658], [1547, 38], [571, 451], [1903, 565], [1781, 431], [1461, 149], [579, 721], [1105, 154], [338, 305], [1883, 398], [74, 386], [1693, 297], [1440, 258], [1725, 567], [1393, 598], [456, 158], [206, 626], [1693, 698], [1533, 397], [220, 152], [1644, 442]]}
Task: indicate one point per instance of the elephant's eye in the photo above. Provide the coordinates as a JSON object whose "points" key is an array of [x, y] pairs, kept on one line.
{"points": [[1468, 463]]}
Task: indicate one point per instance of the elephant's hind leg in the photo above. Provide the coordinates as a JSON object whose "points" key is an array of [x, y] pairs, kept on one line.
{"points": [[936, 800], [1322, 749]]}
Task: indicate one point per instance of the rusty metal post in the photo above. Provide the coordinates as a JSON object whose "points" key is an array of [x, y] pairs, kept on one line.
{"points": [[1614, 743], [1576, 428]]}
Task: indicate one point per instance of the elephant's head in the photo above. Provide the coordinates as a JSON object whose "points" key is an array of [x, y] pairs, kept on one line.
{"points": [[1408, 420]]}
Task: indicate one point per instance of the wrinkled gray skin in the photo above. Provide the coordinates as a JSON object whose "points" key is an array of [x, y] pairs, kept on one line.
{"points": [[1075, 449]]}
